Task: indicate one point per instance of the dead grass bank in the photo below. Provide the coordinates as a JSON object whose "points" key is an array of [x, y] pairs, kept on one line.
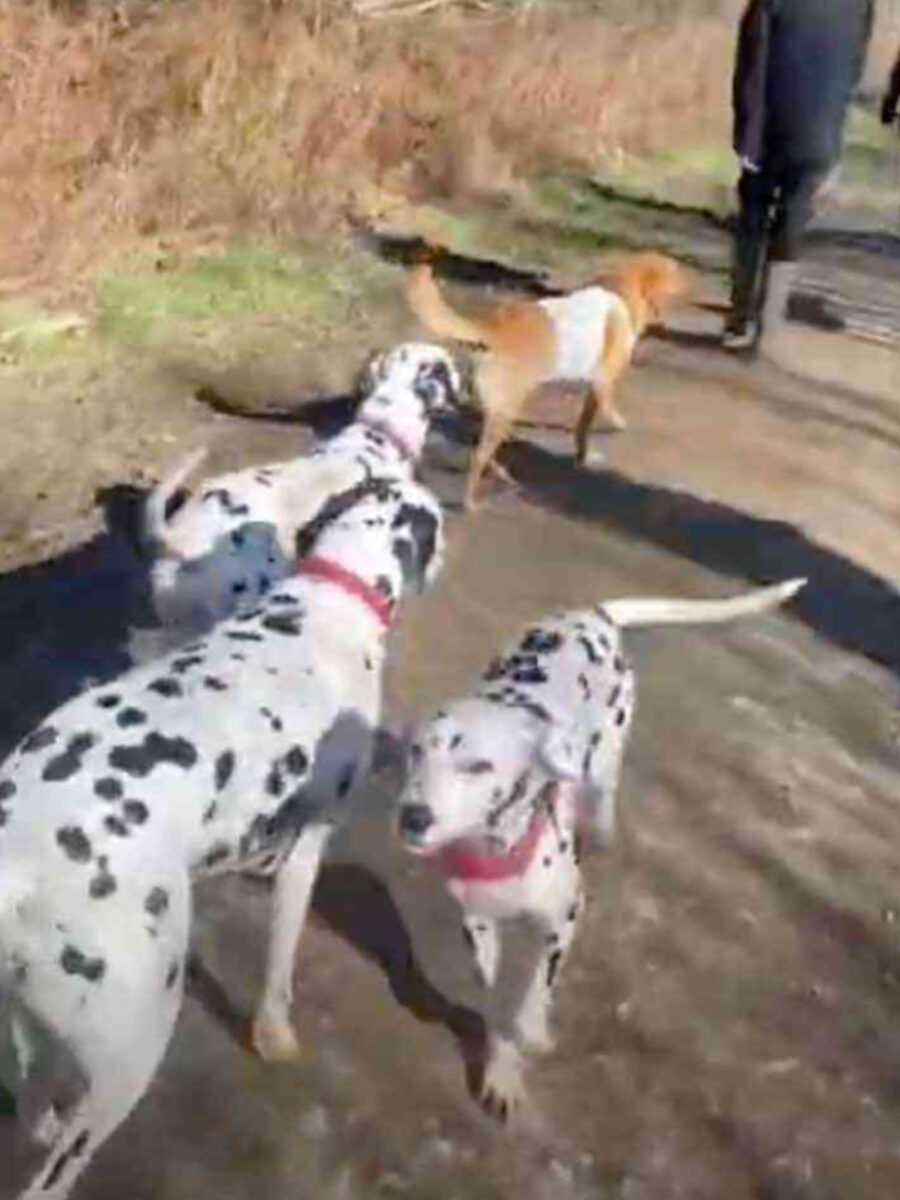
{"points": [[225, 113]]}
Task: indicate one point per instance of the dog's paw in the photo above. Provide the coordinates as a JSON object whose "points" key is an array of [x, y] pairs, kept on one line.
{"points": [[503, 1086], [275, 1041], [615, 422], [536, 1036]]}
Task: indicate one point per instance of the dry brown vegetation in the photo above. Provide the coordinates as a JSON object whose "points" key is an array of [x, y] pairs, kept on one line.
{"points": [[231, 114], [198, 115]]}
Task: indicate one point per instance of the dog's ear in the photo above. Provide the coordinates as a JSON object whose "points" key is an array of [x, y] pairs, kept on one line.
{"points": [[558, 752], [371, 373], [418, 541]]}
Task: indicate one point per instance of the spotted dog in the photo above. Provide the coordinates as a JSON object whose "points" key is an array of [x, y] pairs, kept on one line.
{"points": [[227, 544], [504, 783], [240, 750]]}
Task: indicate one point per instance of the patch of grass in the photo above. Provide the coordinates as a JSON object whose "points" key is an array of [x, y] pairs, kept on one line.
{"points": [[32, 336], [249, 291]]}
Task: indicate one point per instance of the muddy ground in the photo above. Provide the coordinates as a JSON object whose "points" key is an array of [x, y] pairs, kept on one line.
{"points": [[729, 1022]]}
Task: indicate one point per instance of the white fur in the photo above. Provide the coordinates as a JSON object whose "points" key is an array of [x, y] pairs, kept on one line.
{"points": [[579, 321], [240, 751], [205, 568], [544, 732]]}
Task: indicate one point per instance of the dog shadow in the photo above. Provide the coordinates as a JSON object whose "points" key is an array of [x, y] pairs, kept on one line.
{"points": [[66, 623], [357, 906], [845, 603]]}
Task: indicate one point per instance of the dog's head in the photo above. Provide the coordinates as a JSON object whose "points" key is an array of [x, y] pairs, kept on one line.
{"points": [[655, 281], [417, 374], [475, 762]]}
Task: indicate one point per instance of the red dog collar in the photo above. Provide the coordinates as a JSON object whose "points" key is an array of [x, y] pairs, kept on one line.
{"points": [[400, 444], [330, 572], [463, 860]]}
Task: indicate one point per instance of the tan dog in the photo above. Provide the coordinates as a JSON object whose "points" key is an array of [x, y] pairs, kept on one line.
{"points": [[586, 336]]}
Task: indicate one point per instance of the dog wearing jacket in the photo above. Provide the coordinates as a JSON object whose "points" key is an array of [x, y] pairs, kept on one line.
{"points": [[587, 336], [239, 751], [226, 545], [503, 785]]}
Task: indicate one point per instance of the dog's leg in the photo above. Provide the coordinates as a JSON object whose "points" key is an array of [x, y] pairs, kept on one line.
{"points": [[481, 937], [492, 438], [273, 1033], [117, 1035], [531, 1023], [584, 427]]}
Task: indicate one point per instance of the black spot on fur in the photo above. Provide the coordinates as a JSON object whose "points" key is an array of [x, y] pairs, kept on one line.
{"points": [[110, 700], [282, 623], [282, 598], [242, 635], [129, 717], [209, 814], [614, 695], [166, 687], [135, 812], [64, 766], [239, 657], [214, 684], [157, 902], [589, 649], [227, 502], [116, 826], [73, 962], [108, 788], [181, 665], [224, 769], [620, 717], [75, 843], [154, 751], [548, 862], [275, 721], [75, 1151], [172, 976], [297, 760], [553, 966], [572, 914], [219, 852], [274, 781], [345, 783], [104, 882], [456, 740], [7, 789]]}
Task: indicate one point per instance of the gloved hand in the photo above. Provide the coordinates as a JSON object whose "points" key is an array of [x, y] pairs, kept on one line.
{"points": [[888, 110]]}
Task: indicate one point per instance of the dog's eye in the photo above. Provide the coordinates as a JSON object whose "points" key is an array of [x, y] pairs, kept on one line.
{"points": [[480, 767]]}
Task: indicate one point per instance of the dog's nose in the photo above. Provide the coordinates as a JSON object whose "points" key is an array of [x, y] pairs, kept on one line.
{"points": [[416, 818]]}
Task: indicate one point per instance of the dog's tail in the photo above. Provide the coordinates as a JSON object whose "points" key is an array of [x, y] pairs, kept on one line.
{"points": [[626, 613], [155, 524], [428, 303]]}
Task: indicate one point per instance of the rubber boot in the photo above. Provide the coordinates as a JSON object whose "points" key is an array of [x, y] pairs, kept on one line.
{"points": [[741, 332], [781, 277]]}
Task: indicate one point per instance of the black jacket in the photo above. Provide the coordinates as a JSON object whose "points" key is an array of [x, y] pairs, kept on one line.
{"points": [[798, 63], [892, 95]]}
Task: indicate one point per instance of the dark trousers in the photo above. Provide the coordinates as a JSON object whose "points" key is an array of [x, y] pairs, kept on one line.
{"points": [[775, 206]]}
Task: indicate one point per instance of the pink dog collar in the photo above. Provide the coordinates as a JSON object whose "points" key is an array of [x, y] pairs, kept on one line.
{"points": [[463, 860], [331, 572]]}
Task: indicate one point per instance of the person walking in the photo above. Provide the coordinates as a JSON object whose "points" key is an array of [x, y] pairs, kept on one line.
{"points": [[892, 96], [798, 63]]}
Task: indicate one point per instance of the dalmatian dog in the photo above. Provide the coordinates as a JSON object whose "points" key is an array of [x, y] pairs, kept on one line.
{"points": [[504, 784], [241, 750], [227, 544]]}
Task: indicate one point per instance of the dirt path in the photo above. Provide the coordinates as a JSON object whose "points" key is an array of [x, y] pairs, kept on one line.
{"points": [[728, 1022]]}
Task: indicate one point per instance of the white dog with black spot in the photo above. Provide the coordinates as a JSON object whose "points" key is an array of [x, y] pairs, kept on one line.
{"points": [[226, 545], [503, 784], [238, 751]]}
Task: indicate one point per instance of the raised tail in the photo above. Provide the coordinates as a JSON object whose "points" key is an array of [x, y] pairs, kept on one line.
{"points": [[428, 303], [155, 506], [626, 613]]}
